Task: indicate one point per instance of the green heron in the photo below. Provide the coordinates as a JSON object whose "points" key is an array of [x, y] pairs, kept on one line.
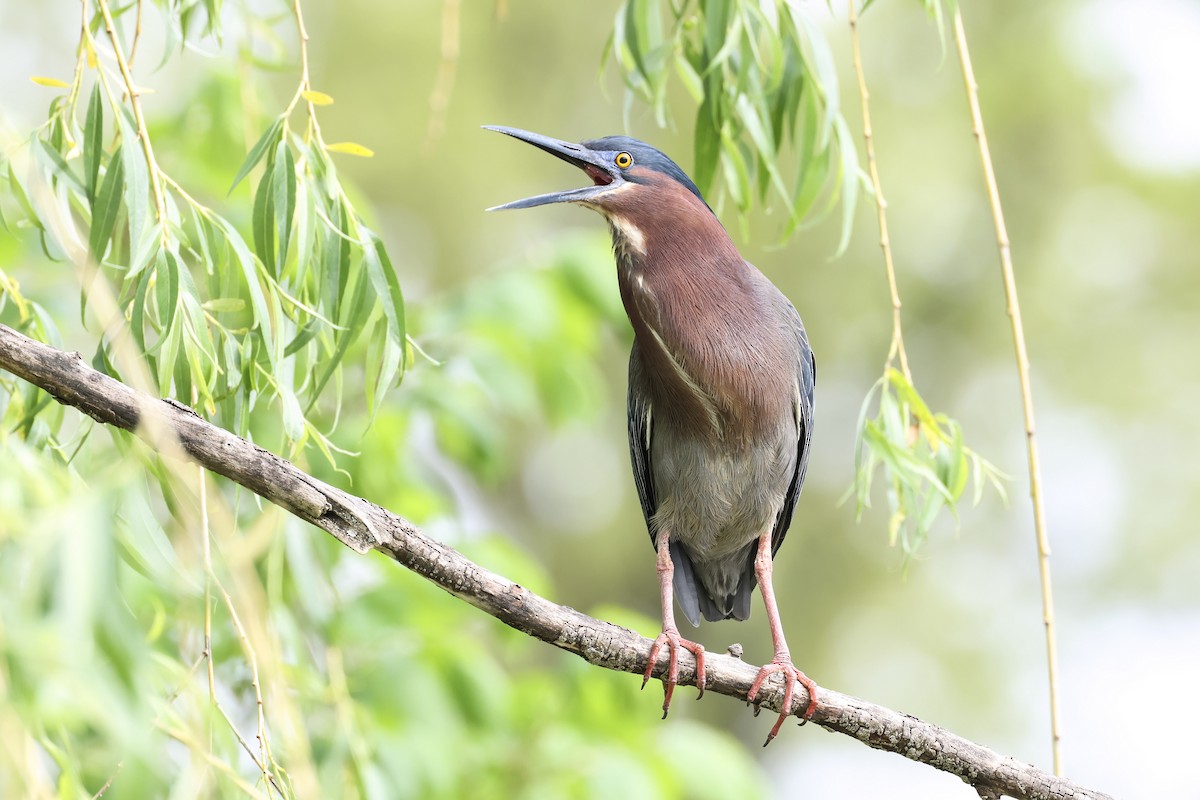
{"points": [[720, 395]]}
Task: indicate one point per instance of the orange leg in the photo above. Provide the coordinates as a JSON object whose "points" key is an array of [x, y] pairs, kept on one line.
{"points": [[670, 634], [782, 662]]}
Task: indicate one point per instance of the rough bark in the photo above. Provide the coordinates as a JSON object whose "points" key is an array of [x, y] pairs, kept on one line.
{"points": [[363, 526]]}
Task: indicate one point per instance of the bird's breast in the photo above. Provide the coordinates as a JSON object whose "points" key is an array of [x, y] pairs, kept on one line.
{"points": [[716, 365]]}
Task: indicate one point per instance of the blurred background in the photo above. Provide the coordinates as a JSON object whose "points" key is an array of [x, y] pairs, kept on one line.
{"points": [[514, 449]]}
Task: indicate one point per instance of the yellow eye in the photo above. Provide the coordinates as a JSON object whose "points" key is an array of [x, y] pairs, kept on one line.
{"points": [[623, 160]]}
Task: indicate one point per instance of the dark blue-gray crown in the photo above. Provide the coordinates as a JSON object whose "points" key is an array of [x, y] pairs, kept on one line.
{"points": [[646, 156]]}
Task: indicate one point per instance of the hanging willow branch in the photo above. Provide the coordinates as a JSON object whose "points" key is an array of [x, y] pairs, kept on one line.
{"points": [[364, 526], [925, 460], [1022, 356]]}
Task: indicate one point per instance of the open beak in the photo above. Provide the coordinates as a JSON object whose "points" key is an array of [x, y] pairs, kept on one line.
{"points": [[593, 163]]}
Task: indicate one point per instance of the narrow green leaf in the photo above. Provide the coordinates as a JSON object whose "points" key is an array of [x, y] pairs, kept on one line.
{"points": [[263, 220], [934, 502], [104, 213], [716, 24], [245, 259], [389, 371], [166, 287], [137, 177], [137, 320], [707, 146], [22, 195], [760, 135], [908, 393], [632, 40], [688, 76], [93, 143], [293, 418], [354, 312], [219, 305], [57, 168], [337, 260], [850, 180], [306, 229], [303, 337], [100, 363], [181, 365], [737, 174], [385, 284], [958, 470], [894, 417], [199, 346], [145, 250], [997, 479], [284, 201], [730, 39], [860, 430], [812, 180], [167, 352], [820, 68], [265, 143], [864, 481]]}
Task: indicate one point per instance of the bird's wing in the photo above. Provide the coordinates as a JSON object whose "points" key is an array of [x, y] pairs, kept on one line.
{"points": [[640, 429], [805, 383]]}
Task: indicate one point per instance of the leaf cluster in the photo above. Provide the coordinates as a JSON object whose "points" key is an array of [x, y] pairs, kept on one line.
{"points": [[768, 120], [926, 464], [221, 321]]}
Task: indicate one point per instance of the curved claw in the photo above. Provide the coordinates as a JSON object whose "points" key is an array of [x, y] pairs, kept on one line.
{"points": [[790, 676], [674, 641]]}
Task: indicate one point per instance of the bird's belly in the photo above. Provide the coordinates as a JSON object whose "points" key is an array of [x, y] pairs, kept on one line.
{"points": [[715, 501]]}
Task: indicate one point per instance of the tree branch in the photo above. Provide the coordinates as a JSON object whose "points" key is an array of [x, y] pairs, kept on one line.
{"points": [[363, 526]]}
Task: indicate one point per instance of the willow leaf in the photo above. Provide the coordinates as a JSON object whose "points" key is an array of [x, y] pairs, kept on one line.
{"points": [[104, 213], [93, 143], [284, 190], [265, 143]]}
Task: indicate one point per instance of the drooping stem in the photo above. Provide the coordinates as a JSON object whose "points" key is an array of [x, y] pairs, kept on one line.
{"points": [[439, 98], [305, 81], [137, 33], [160, 208], [1018, 332], [897, 346]]}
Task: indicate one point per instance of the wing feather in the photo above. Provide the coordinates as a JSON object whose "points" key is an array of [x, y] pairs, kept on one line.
{"points": [[640, 429], [804, 406], [641, 432]]}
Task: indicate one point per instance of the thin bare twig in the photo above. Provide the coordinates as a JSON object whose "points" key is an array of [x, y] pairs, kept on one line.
{"points": [[160, 207], [137, 33], [108, 783], [897, 346], [363, 526], [305, 82], [196, 747], [443, 85], [206, 539], [265, 759], [1018, 333]]}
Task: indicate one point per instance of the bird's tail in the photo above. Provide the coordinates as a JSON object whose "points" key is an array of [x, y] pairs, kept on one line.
{"points": [[719, 590], [687, 591]]}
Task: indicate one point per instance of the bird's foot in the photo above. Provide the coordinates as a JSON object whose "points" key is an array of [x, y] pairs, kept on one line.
{"points": [[671, 638], [790, 676]]}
